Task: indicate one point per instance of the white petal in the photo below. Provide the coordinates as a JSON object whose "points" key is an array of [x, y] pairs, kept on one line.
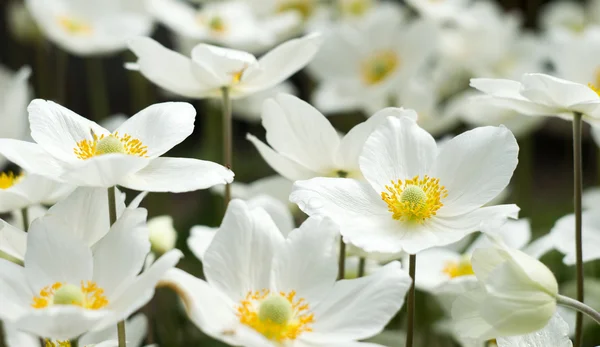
{"points": [[105, 170], [178, 78], [119, 256], [191, 174], [430, 267], [448, 292], [515, 234], [12, 199], [15, 295], [16, 95], [13, 241], [280, 63], [563, 238], [31, 157], [60, 322], [555, 333], [15, 338], [360, 308], [160, 126], [467, 318], [279, 212], [54, 256], [200, 238], [298, 131], [554, 91], [540, 246], [307, 262], [506, 93], [280, 163], [58, 129], [398, 149], [135, 329], [475, 167], [220, 64], [239, 259]]}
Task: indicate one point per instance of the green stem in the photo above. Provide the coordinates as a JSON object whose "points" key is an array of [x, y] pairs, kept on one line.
{"points": [[362, 262], [96, 86], [578, 187], [227, 138], [112, 215], [342, 260], [62, 59], [25, 217], [74, 343], [2, 335], [411, 301], [580, 307]]}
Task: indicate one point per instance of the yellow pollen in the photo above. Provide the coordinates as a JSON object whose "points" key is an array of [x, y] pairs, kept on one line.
{"points": [[379, 66], [459, 268], [57, 343], [92, 297], [74, 26], [217, 24], [414, 200], [277, 316], [9, 179], [304, 7], [236, 76], [113, 143], [355, 7]]}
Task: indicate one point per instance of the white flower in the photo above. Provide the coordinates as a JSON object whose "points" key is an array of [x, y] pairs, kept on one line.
{"points": [[212, 68], [439, 10], [73, 149], [15, 95], [274, 186], [18, 191], [250, 108], [91, 28], [555, 334], [563, 236], [517, 295], [542, 95], [304, 144], [357, 71], [227, 23], [21, 24], [416, 196], [163, 235], [265, 290], [66, 289]]}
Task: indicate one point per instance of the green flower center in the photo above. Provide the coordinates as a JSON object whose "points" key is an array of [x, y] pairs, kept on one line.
{"points": [[275, 309], [69, 294]]}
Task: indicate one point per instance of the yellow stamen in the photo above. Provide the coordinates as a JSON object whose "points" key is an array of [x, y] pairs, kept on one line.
{"points": [[459, 268], [304, 7], [414, 200], [379, 66], [92, 296], [9, 179], [113, 143], [74, 26], [355, 7], [236, 76], [217, 24], [277, 316], [57, 343]]}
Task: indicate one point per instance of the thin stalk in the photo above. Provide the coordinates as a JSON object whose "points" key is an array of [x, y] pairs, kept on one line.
{"points": [[580, 307], [25, 217], [227, 138], [112, 215], [362, 262], [342, 260], [578, 187], [62, 60], [410, 309], [96, 86], [2, 335]]}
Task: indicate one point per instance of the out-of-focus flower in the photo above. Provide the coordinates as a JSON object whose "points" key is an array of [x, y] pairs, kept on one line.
{"points": [[21, 24], [213, 68], [163, 235], [63, 297], [263, 289], [73, 149], [542, 95], [562, 236], [18, 191], [90, 28], [250, 108], [565, 15], [361, 67], [439, 10], [416, 196], [275, 186], [555, 334], [15, 95], [517, 295], [305, 145]]}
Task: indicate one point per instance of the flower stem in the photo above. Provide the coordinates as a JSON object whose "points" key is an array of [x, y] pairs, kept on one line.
{"points": [[580, 307], [577, 185], [410, 309], [342, 260], [362, 262], [74, 343], [25, 217], [227, 138], [97, 92], [112, 215]]}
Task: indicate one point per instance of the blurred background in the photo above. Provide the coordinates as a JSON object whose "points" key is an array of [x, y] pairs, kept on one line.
{"points": [[449, 41]]}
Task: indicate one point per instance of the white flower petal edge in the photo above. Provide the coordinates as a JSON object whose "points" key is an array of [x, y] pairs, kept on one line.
{"points": [[555, 333]]}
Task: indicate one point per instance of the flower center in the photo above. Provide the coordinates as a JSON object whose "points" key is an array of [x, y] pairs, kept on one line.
{"points": [[277, 316], [57, 343], [379, 67], [217, 24], [304, 7], [459, 268], [355, 7], [112, 143], [9, 179], [414, 200], [74, 26], [87, 295]]}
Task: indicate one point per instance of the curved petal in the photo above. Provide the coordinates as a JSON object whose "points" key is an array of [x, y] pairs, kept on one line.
{"points": [[31, 157], [104, 170], [397, 150], [58, 129], [177, 175], [555, 333], [280, 63], [279, 212], [219, 65], [298, 131], [506, 93], [549, 90], [515, 234], [306, 262], [15, 295], [240, 257], [161, 126], [12, 199], [136, 329], [280, 163], [178, 78], [563, 240], [13, 241], [41, 190], [475, 167], [431, 267], [359, 309], [200, 239]]}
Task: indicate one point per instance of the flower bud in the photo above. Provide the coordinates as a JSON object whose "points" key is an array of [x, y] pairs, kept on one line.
{"points": [[163, 235]]}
